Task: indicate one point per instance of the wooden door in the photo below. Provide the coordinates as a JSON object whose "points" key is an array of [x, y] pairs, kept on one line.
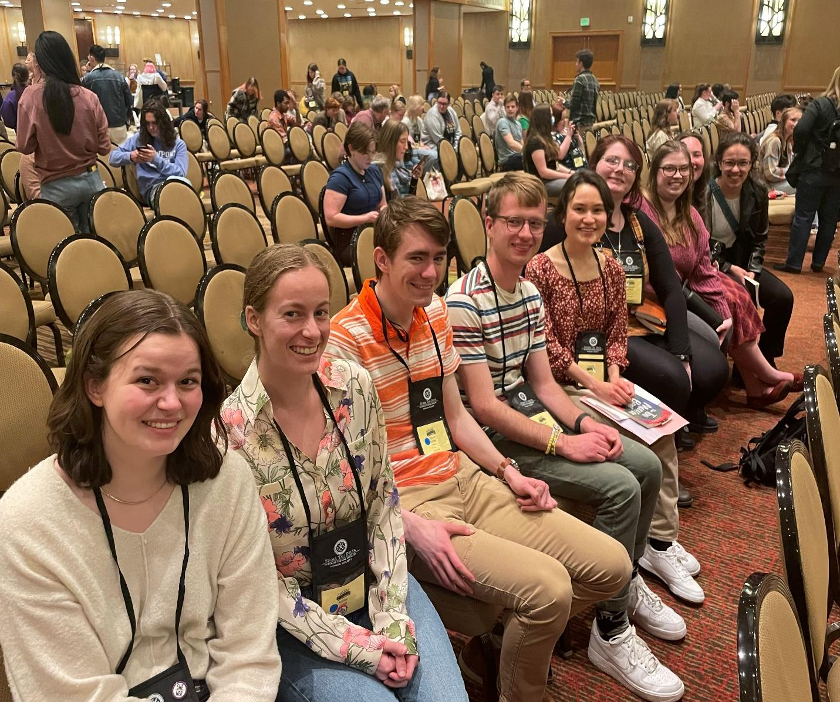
{"points": [[607, 57], [605, 45], [84, 36], [564, 47]]}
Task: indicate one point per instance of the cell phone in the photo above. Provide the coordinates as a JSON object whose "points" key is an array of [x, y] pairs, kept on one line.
{"points": [[423, 159]]}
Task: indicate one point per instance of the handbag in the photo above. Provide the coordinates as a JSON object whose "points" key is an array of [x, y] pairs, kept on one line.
{"points": [[695, 303], [435, 187]]}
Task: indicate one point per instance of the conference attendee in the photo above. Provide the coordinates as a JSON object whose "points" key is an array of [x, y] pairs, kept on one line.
{"points": [[401, 168], [131, 77], [569, 141], [525, 107], [499, 323], [441, 122], [398, 107], [313, 433], [29, 180], [815, 173], [777, 107], [717, 91], [584, 93], [488, 81], [524, 86], [330, 116], [703, 112], [344, 82], [674, 92], [375, 115], [508, 137], [683, 368], [776, 152], [737, 210], [355, 191], [668, 204], [729, 117], [497, 539], [494, 110], [157, 152], [368, 93], [64, 126], [156, 84], [699, 171], [434, 86], [113, 93], [158, 573], [350, 107], [394, 93], [541, 153], [280, 119], [314, 93], [8, 110], [245, 100], [664, 118], [198, 113]]}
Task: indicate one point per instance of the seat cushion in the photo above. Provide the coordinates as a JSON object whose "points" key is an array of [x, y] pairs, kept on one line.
{"points": [[204, 157], [238, 164], [5, 246], [292, 170], [479, 186], [781, 211], [44, 312], [59, 374]]}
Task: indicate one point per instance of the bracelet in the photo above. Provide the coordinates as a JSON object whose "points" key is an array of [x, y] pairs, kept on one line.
{"points": [[579, 421], [552, 442]]}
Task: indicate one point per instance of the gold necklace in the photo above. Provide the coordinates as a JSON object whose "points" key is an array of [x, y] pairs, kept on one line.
{"points": [[137, 502]]}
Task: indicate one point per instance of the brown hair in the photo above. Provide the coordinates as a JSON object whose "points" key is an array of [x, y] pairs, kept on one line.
{"points": [[510, 97], [699, 193], [582, 177], [332, 104], [528, 190], [540, 129], [389, 137], [526, 104], [75, 423], [388, 230], [359, 138], [784, 136], [660, 115], [675, 230], [635, 152]]}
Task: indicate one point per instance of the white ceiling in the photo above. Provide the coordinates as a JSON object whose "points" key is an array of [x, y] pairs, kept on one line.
{"points": [[182, 9], [332, 9]]}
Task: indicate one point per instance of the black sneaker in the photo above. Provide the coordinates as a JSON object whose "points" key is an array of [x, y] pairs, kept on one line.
{"points": [[786, 268], [708, 425], [684, 440], [685, 499]]}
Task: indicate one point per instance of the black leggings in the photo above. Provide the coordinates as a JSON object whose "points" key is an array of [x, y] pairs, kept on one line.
{"points": [[655, 369], [777, 300]]}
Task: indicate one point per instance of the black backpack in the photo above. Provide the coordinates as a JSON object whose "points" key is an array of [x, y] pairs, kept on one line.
{"points": [[831, 152], [758, 460]]}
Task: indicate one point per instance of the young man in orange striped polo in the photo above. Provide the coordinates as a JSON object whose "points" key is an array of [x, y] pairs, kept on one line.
{"points": [[477, 525]]}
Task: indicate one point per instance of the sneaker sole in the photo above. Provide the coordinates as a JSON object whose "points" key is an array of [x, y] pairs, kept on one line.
{"points": [[605, 666], [663, 634], [693, 599]]}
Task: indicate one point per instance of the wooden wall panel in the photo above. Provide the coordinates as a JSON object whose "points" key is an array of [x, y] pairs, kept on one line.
{"points": [[813, 50], [485, 33], [446, 44], [143, 37], [9, 18], [254, 46]]}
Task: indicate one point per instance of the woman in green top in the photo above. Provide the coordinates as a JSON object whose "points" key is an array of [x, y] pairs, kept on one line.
{"points": [[526, 107]]}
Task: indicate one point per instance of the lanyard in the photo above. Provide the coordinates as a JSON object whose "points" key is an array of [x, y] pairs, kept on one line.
{"points": [[577, 287], [293, 465], [129, 606]]}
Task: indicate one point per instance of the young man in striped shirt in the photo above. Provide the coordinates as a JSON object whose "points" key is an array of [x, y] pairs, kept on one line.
{"points": [[498, 322], [499, 539]]}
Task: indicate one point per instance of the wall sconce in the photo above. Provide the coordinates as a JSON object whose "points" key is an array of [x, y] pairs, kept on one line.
{"points": [[21, 30], [112, 37], [408, 40]]}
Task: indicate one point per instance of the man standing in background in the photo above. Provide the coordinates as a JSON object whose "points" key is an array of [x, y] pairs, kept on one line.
{"points": [[488, 82], [584, 93], [112, 90]]}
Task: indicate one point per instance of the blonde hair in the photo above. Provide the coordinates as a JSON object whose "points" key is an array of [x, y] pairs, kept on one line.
{"points": [[660, 115], [528, 190], [414, 107], [833, 89]]}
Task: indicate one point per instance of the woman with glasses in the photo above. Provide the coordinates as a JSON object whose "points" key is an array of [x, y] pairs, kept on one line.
{"points": [[737, 216], [355, 191], [668, 204], [441, 122]]}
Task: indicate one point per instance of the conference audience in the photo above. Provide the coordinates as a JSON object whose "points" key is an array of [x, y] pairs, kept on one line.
{"points": [[329, 117], [355, 191], [779, 104], [112, 90], [703, 112], [583, 96], [344, 82], [664, 118], [375, 115], [198, 113], [699, 171], [314, 93], [350, 107], [397, 109], [494, 110], [441, 122], [569, 141], [488, 81], [282, 117], [525, 107], [541, 153], [508, 137], [64, 126], [674, 92], [401, 166], [158, 570], [245, 100], [8, 110], [776, 153]]}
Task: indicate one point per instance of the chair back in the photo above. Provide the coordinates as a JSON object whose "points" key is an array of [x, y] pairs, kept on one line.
{"points": [[468, 230], [9, 168], [117, 218], [464, 124], [37, 228], [218, 306], [261, 128], [177, 199], [318, 132], [831, 327], [339, 293], [714, 134], [804, 544], [469, 109], [271, 181], [105, 173], [218, 141], [488, 153], [129, 177], [448, 160], [273, 147], [171, 258], [229, 187], [332, 147], [81, 268], [195, 174], [477, 126], [468, 156], [254, 123], [28, 387], [299, 144], [17, 318], [361, 248], [313, 179], [236, 235], [341, 130], [245, 140], [291, 220], [832, 294], [191, 134], [638, 135], [266, 112], [216, 121], [772, 661], [230, 125]]}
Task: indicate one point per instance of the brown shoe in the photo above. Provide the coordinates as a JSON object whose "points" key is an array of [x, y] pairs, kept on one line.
{"points": [[479, 663]]}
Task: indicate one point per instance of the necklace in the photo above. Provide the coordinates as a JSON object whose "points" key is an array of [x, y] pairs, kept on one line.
{"points": [[135, 502]]}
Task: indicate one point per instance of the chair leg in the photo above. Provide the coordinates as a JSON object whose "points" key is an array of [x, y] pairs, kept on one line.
{"points": [[491, 670], [563, 647], [59, 345]]}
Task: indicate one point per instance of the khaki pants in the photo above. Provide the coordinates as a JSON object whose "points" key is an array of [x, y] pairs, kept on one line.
{"points": [[118, 135], [665, 524], [544, 567]]}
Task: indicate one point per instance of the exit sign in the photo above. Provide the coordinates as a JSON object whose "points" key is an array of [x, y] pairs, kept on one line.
{"points": [[584, 21]]}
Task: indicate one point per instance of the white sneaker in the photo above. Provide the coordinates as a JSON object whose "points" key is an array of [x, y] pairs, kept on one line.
{"points": [[669, 568], [649, 612], [692, 565], [628, 659]]}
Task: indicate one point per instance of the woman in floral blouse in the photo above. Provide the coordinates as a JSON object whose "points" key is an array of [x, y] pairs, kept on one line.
{"points": [[358, 639]]}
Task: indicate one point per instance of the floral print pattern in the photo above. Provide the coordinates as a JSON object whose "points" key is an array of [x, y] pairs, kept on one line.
{"points": [[332, 497]]}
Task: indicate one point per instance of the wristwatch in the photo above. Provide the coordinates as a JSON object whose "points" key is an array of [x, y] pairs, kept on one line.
{"points": [[579, 421], [500, 471]]}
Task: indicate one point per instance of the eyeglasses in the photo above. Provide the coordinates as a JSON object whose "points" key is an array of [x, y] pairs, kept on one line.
{"points": [[441, 103], [615, 162], [730, 163], [515, 224], [671, 171]]}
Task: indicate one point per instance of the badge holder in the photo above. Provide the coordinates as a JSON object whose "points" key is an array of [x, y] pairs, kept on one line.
{"points": [[590, 353], [633, 265], [428, 418]]}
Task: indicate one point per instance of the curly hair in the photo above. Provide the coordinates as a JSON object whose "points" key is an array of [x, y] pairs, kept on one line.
{"points": [[164, 123]]}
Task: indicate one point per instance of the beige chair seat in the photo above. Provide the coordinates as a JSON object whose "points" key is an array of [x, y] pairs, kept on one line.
{"points": [[59, 374], [781, 211], [208, 204], [496, 177], [605, 124], [136, 277], [204, 157], [44, 312], [479, 186], [292, 170], [209, 257], [832, 685], [260, 160], [5, 246], [237, 164]]}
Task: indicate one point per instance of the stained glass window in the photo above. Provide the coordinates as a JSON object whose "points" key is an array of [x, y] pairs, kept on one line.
{"points": [[770, 23], [520, 23], [654, 21]]}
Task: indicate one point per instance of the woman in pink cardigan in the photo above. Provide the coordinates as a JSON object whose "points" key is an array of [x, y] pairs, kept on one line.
{"points": [[668, 204]]}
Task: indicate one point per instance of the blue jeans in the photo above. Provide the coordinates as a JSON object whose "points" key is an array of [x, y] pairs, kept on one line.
{"points": [[72, 194], [816, 193], [309, 678]]}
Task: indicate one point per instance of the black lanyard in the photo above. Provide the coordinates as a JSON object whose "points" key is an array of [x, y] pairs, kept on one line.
{"points": [[293, 465], [129, 606], [577, 287]]}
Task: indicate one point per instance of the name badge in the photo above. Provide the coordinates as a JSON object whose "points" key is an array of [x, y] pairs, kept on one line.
{"points": [[578, 161], [339, 562], [523, 399], [428, 418], [591, 353], [633, 265], [344, 599]]}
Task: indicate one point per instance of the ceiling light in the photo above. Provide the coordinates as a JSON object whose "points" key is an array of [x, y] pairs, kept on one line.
{"points": [[325, 16], [6, 2], [135, 13], [117, 12], [319, 12], [341, 7], [399, 3], [120, 6], [288, 8], [78, 9], [187, 17], [384, 2], [171, 16], [301, 16], [160, 10], [166, 4], [347, 14], [195, 12], [97, 11], [396, 12]]}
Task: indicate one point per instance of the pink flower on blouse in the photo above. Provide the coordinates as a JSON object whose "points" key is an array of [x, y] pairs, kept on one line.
{"points": [[349, 482], [235, 423], [359, 636], [329, 508], [289, 563]]}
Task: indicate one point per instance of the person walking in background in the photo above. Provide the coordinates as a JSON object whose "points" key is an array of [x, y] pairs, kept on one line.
{"points": [[245, 100], [112, 90], [345, 82], [64, 125], [313, 93], [435, 86], [149, 77], [8, 110], [488, 82], [584, 93]]}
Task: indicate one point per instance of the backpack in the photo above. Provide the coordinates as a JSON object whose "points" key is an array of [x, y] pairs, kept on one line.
{"points": [[758, 460], [831, 152]]}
